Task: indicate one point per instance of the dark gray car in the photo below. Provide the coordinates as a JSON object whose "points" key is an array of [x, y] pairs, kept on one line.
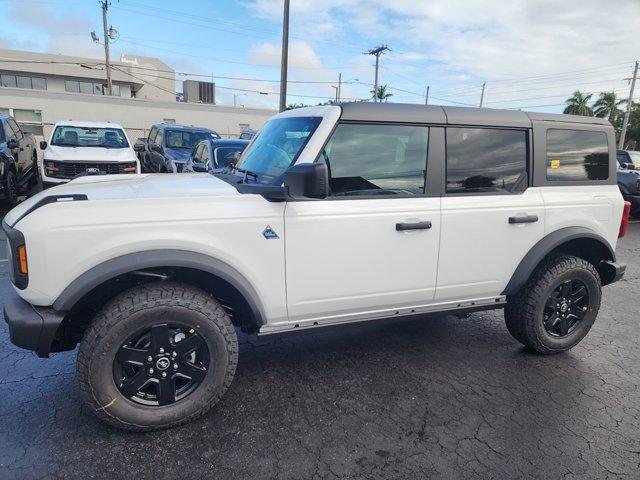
{"points": [[629, 178]]}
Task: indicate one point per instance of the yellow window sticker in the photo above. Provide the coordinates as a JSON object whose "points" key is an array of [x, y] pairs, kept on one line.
{"points": [[555, 163]]}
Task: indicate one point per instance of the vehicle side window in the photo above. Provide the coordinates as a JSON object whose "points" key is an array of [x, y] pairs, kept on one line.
{"points": [[574, 155], [159, 138], [7, 131], [204, 158], [2, 136], [152, 135], [198, 152], [485, 159], [366, 160], [16, 129], [622, 159]]}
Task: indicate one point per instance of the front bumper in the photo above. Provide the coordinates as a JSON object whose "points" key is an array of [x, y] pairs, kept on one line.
{"points": [[30, 327]]}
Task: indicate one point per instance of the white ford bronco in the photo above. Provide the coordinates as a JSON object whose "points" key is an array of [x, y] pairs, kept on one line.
{"points": [[333, 215]]}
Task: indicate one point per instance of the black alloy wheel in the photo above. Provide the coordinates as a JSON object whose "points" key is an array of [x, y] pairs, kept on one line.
{"points": [[161, 365], [566, 307]]}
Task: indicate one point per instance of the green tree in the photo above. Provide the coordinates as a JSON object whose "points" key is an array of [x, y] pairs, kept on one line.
{"points": [[381, 94], [607, 106], [578, 104]]}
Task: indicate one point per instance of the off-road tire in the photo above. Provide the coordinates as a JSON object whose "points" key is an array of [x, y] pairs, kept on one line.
{"points": [[524, 311], [11, 189], [123, 316], [35, 178]]}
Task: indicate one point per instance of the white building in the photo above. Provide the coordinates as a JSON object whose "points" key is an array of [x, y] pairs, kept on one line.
{"points": [[42, 89]]}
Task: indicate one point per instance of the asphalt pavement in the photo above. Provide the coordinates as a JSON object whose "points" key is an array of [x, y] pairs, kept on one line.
{"points": [[436, 397]]}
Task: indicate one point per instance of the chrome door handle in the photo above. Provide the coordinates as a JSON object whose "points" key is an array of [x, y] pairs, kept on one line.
{"points": [[413, 226], [524, 219]]}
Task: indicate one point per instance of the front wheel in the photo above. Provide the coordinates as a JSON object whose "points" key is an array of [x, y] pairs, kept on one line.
{"points": [[11, 189], [557, 306], [157, 356], [35, 178]]}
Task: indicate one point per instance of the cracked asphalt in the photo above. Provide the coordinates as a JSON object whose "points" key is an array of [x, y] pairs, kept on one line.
{"points": [[432, 397]]}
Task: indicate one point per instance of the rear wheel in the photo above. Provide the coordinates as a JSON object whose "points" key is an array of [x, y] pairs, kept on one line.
{"points": [[35, 178], [558, 305], [11, 189], [157, 356]]}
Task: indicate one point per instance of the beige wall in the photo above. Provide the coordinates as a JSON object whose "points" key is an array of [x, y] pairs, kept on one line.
{"points": [[135, 115]]}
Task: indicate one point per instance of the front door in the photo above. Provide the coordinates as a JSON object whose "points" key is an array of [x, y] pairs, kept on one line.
{"points": [[371, 248]]}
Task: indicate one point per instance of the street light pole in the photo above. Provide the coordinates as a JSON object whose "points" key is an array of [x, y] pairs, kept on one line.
{"points": [[625, 122], [285, 57], [105, 7]]}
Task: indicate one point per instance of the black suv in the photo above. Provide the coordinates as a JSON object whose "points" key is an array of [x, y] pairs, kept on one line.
{"points": [[169, 146], [18, 159]]}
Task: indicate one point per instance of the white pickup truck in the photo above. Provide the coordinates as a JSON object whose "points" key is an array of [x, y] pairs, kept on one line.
{"points": [[77, 149], [333, 215]]}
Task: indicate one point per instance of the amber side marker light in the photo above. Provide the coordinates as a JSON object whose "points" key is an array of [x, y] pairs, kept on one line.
{"points": [[129, 169], [22, 260]]}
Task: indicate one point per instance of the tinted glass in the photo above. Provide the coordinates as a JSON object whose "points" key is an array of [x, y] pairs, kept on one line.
{"points": [[577, 155], [277, 147], [89, 137], [2, 137], [485, 159], [223, 155], [376, 159], [86, 87], [38, 83], [622, 159], [23, 82], [8, 80], [185, 138], [71, 86], [14, 126]]}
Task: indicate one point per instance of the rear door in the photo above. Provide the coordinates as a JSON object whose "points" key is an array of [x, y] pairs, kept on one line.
{"points": [[490, 217], [371, 248]]}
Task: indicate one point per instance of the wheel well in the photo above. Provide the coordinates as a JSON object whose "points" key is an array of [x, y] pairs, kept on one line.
{"points": [[590, 249], [78, 318]]}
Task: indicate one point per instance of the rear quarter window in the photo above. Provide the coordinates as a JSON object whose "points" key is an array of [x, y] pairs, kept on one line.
{"points": [[577, 155]]}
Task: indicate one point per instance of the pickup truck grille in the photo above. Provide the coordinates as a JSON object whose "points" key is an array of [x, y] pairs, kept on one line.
{"points": [[73, 169]]}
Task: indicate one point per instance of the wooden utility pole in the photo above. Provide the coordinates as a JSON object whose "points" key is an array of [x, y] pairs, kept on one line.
{"points": [[482, 94], [105, 8], [426, 97], [625, 122], [377, 52], [285, 57]]}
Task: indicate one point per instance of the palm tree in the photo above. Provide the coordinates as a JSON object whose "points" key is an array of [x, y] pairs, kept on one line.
{"points": [[578, 104], [381, 94], [607, 106]]}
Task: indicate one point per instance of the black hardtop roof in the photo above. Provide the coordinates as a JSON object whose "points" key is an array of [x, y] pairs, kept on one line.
{"points": [[171, 126], [414, 113]]}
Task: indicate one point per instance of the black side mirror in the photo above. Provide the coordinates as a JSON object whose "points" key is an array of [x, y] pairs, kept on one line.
{"points": [[138, 147], [43, 144], [629, 166], [199, 167], [307, 180], [154, 147], [12, 144]]}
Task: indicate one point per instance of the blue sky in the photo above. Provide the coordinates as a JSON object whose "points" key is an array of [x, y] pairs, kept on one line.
{"points": [[531, 54]]}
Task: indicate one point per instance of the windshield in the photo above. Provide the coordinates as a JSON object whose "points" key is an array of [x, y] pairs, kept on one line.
{"points": [[69, 136], [186, 139], [277, 147], [635, 157]]}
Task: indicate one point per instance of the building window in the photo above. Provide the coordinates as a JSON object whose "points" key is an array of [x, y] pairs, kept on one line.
{"points": [[375, 159], [485, 159], [575, 155], [21, 81], [75, 86], [206, 92]]}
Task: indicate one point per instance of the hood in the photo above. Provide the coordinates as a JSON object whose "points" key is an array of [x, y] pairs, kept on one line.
{"points": [[122, 187], [91, 154], [180, 154]]}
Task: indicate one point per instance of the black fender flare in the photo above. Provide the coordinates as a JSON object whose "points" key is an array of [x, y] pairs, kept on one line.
{"points": [[159, 258], [541, 249]]}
